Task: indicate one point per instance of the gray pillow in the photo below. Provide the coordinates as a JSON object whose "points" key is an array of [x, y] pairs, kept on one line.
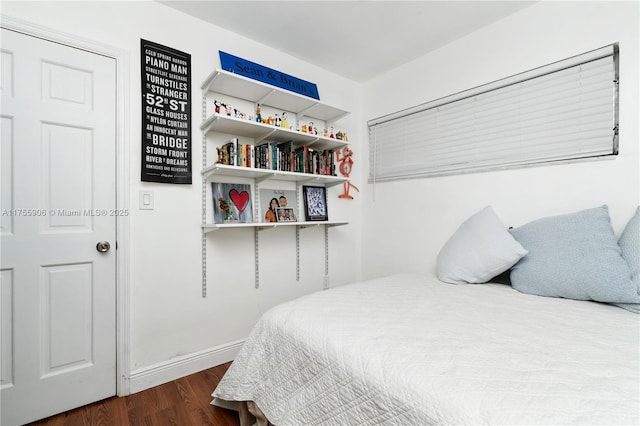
{"points": [[574, 256], [629, 243], [480, 249]]}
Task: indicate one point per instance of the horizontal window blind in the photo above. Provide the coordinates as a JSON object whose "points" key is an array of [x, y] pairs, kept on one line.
{"points": [[562, 111]]}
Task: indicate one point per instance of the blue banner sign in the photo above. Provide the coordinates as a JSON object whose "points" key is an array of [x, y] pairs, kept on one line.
{"points": [[267, 75]]}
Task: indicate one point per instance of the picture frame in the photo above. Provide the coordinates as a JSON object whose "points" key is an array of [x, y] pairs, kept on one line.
{"points": [[315, 203], [231, 203], [285, 214], [271, 199]]}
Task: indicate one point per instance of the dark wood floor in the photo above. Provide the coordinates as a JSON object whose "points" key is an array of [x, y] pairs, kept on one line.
{"points": [[185, 401]]}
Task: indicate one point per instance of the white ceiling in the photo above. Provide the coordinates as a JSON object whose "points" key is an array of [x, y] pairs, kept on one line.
{"points": [[356, 39]]}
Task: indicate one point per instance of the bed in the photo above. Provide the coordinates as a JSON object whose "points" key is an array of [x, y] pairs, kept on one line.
{"points": [[410, 349]]}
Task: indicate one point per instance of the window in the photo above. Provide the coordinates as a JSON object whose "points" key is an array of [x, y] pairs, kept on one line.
{"points": [[563, 111]]}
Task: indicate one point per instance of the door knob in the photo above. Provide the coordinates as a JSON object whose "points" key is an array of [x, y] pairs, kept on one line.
{"points": [[103, 246]]}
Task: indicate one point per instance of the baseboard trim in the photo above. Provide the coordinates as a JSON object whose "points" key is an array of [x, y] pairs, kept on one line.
{"points": [[157, 374]]}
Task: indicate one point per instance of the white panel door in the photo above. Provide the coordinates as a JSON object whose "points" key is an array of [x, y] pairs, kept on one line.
{"points": [[58, 342]]}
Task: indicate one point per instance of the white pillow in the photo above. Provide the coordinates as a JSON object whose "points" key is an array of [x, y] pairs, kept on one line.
{"points": [[479, 250]]}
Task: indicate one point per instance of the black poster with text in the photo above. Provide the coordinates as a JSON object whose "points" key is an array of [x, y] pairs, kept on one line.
{"points": [[166, 114]]}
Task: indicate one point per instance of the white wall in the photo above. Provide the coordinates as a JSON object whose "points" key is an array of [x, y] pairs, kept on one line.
{"points": [[407, 222], [169, 318]]}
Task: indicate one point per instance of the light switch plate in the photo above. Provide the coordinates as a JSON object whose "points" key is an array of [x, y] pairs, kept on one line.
{"points": [[146, 200]]}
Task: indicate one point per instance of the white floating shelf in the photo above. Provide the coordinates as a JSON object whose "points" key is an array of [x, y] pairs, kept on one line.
{"points": [[259, 132], [230, 84], [263, 174], [210, 227]]}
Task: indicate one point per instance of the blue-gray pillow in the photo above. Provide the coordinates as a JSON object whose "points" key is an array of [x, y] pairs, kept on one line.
{"points": [[574, 256], [629, 243]]}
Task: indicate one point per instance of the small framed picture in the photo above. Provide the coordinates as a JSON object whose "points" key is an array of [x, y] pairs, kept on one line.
{"points": [[231, 202], [272, 199], [315, 203], [285, 214]]}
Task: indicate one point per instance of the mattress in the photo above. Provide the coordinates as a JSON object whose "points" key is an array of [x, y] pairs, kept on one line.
{"points": [[411, 350]]}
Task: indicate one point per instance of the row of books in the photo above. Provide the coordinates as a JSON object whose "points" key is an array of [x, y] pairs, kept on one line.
{"points": [[278, 156]]}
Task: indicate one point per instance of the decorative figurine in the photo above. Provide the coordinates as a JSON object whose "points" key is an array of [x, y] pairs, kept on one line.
{"points": [[346, 162], [304, 128], [331, 135], [310, 127], [339, 135], [216, 104], [278, 121], [228, 110], [284, 123], [223, 156], [258, 116]]}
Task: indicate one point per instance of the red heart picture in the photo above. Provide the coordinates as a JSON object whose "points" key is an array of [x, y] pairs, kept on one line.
{"points": [[239, 199]]}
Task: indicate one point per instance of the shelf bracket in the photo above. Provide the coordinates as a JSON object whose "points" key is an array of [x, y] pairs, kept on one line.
{"points": [[206, 175], [314, 178], [326, 251], [265, 97], [265, 136], [263, 178], [207, 86], [209, 125], [313, 225], [203, 205], [313, 141], [297, 253], [331, 121], [306, 110], [330, 184], [256, 251]]}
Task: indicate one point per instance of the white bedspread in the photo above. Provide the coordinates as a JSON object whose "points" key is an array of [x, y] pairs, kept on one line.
{"points": [[411, 350]]}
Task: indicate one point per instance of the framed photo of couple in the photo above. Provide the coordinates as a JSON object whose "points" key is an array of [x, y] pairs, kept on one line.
{"points": [[315, 203], [278, 205]]}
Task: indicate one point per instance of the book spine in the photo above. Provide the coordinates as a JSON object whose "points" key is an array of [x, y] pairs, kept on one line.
{"points": [[238, 153]]}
